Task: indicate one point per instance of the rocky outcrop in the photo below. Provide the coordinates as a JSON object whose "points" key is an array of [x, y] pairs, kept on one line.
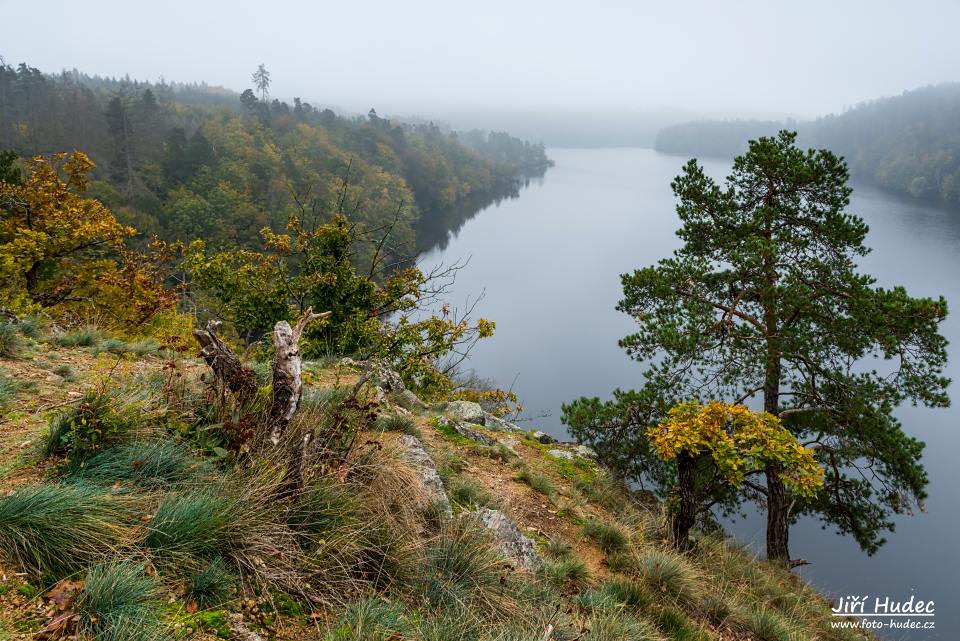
{"points": [[412, 400], [562, 454], [239, 629], [466, 411], [466, 431], [517, 548], [543, 437], [497, 423], [433, 490]]}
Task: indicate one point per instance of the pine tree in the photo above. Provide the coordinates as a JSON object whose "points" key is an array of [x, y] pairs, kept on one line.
{"points": [[764, 301]]}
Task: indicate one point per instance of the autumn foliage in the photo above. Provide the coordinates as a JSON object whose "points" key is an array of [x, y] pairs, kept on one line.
{"points": [[61, 250], [723, 443]]}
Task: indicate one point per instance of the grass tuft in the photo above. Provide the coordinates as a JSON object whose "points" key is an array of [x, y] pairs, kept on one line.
{"points": [[567, 571], [196, 522], [8, 392], [610, 538], [371, 619], [616, 625], [537, 481], [12, 344], [119, 602], [213, 585], [670, 574], [470, 493], [151, 465], [57, 529], [86, 337], [65, 372], [397, 423]]}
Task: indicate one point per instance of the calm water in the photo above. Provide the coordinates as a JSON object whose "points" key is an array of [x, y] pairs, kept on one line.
{"points": [[548, 265]]}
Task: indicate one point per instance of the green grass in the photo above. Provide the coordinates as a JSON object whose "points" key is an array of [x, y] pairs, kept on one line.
{"points": [[86, 337], [212, 585], [8, 392], [12, 344], [566, 571], [449, 432], [470, 493], [121, 347], [57, 529], [557, 548], [537, 481], [371, 619], [765, 625], [119, 602], [397, 423], [669, 574], [197, 522], [608, 537], [462, 567], [678, 627], [65, 372], [150, 464], [616, 625], [322, 509]]}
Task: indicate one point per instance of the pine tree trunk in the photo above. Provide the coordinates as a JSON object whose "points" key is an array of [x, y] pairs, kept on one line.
{"points": [[778, 517], [686, 515]]}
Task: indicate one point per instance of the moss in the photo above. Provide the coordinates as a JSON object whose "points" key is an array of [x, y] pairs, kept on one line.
{"points": [[27, 590], [210, 621], [450, 433]]}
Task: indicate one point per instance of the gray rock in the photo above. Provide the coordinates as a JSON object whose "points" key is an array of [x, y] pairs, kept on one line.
{"points": [[466, 411], [427, 471], [497, 423], [413, 400], [584, 451], [240, 630], [468, 432], [561, 454], [543, 437], [517, 548], [388, 379]]}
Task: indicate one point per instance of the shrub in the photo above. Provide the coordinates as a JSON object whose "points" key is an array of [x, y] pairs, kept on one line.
{"points": [[196, 522], [537, 481], [569, 570], [86, 337], [470, 493], [371, 619], [397, 423], [670, 574], [151, 464], [12, 344], [101, 418], [213, 585], [607, 536], [119, 603], [57, 529]]}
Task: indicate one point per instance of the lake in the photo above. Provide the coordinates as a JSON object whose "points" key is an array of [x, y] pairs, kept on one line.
{"points": [[547, 263]]}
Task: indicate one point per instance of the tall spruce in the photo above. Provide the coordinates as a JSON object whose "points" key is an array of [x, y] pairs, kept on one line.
{"points": [[763, 303]]}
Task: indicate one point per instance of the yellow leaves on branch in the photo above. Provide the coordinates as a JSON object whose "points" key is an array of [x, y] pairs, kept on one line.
{"points": [[60, 249], [738, 440]]}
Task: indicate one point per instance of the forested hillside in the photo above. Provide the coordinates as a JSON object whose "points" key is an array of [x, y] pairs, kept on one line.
{"points": [[908, 144], [193, 161]]}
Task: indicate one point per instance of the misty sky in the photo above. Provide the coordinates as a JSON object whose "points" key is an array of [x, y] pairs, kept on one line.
{"points": [[430, 57]]}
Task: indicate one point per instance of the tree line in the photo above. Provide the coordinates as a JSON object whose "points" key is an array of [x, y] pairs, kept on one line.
{"points": [[907, 144], [191, 161]]}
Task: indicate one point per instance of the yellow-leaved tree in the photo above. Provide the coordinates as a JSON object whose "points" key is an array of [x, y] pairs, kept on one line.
{"points": [[718, 445], [64, 252]]}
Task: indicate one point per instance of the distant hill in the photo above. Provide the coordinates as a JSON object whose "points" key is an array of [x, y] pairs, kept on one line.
{"points": [[908, 144], [183, 161]]}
